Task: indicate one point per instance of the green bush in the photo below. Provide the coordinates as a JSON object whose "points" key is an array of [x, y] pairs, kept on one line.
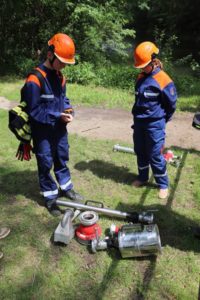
{"points": [[24, 66], [120, 76], [81, 73], [187, 84], [117, 75]]}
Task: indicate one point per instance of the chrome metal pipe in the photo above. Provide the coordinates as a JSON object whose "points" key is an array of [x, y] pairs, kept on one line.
{"points": [[143, 217], [123, 149]]}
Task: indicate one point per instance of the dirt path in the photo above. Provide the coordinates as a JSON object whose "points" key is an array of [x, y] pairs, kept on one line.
{"points": [[115, 124]]}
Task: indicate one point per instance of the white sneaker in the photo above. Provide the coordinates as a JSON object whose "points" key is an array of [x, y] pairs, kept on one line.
{"points": [[163, 193]]}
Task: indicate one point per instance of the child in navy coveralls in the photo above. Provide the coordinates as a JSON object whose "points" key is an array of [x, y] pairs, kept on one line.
{"points": [[49, 112], [155, 103]]}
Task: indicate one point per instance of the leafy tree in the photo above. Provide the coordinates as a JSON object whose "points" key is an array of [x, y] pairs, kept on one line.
{"points": [[99, 29]]}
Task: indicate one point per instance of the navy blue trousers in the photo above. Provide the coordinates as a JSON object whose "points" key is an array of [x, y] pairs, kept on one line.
{"points": [[149, 139], [52, 152]]}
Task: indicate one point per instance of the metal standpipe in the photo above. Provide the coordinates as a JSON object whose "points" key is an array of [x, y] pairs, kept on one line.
{"points": [[143, 217], [123, 149]]}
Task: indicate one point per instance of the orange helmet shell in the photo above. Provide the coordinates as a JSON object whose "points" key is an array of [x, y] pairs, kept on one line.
{"points": [[64, 48], [143, 54]]}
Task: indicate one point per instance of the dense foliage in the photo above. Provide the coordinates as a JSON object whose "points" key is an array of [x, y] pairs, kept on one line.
{"points": [[104, 32]]}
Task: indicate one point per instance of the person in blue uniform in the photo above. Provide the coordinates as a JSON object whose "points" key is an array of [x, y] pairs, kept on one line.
{"points": [[49, 113], [155, 103]]}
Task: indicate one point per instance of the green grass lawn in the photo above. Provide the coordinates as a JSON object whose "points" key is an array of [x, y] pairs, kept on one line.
{"points": [[34, 268], [96, 96]]}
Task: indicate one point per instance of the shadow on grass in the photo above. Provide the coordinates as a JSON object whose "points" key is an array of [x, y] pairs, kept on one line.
{"points": [[104, 169], [175, 229], [20, 183], [141, 289]]}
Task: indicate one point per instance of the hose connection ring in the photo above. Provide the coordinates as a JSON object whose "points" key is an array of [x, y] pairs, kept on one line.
{"points": [[88, 218]]}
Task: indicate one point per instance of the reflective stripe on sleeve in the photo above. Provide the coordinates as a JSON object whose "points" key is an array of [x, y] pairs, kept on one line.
{"points": [[150, 94], [47, 96]]}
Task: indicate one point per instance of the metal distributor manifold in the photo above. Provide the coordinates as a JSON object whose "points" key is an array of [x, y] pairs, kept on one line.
{"points": [[132, 240]]}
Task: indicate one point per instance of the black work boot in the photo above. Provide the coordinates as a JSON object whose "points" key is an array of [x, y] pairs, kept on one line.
{"points": [[74, 196], [53, 208]]}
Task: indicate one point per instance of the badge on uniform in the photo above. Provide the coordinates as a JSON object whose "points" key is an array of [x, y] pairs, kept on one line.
{"points": [[172, 92]]}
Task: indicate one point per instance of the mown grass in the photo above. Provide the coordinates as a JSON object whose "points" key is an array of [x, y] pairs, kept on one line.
{"points": [[97, 96], [34, 268]]}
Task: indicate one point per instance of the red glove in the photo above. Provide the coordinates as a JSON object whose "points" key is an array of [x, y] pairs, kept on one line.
{"points": [[24, 151]]}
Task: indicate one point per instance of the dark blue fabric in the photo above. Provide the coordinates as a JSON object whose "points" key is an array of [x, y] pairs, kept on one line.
{"points": [[49, 133], [153, 101], [149, 137], [42, 109]]}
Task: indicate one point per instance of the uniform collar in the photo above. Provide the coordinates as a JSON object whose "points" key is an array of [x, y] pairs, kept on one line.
{"points": [[157, 70], [47, 70]]}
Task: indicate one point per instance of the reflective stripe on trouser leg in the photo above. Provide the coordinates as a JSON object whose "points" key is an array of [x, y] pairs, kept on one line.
{"points": [[155, 142], [140, 150], [61, 169], [50, 194], [143, 170], [44, 146], [47, 184], [159, 169]]}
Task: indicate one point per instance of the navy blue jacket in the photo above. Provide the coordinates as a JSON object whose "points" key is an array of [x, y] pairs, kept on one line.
{"points": [[155, 96], [46, 107]]}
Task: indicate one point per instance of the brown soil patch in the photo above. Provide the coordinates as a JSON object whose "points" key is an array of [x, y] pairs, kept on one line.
{"points": [[115, 124]]}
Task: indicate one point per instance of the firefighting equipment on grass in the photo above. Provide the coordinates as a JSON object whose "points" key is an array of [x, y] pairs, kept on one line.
{"points": [[144, 54], [168, 155], [63, 48], [138, 238]]}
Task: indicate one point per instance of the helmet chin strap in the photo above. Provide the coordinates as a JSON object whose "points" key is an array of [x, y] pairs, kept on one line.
{"points": [[51, 49], [52, 60]]}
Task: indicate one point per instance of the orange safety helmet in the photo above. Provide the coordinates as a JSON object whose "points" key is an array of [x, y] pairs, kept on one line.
{"points": [[143, 54], [63, 48]]}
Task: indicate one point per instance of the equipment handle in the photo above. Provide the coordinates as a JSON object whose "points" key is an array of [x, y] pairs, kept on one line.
{"points": [[95, 202]]}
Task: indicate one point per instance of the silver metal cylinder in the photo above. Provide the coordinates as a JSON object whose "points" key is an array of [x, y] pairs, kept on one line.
{"points": [[123, 149], [143, 217], [137, 240], [105, 211]]}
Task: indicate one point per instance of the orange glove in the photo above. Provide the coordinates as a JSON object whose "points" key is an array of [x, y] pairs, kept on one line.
{"points": [[24, 151]]}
